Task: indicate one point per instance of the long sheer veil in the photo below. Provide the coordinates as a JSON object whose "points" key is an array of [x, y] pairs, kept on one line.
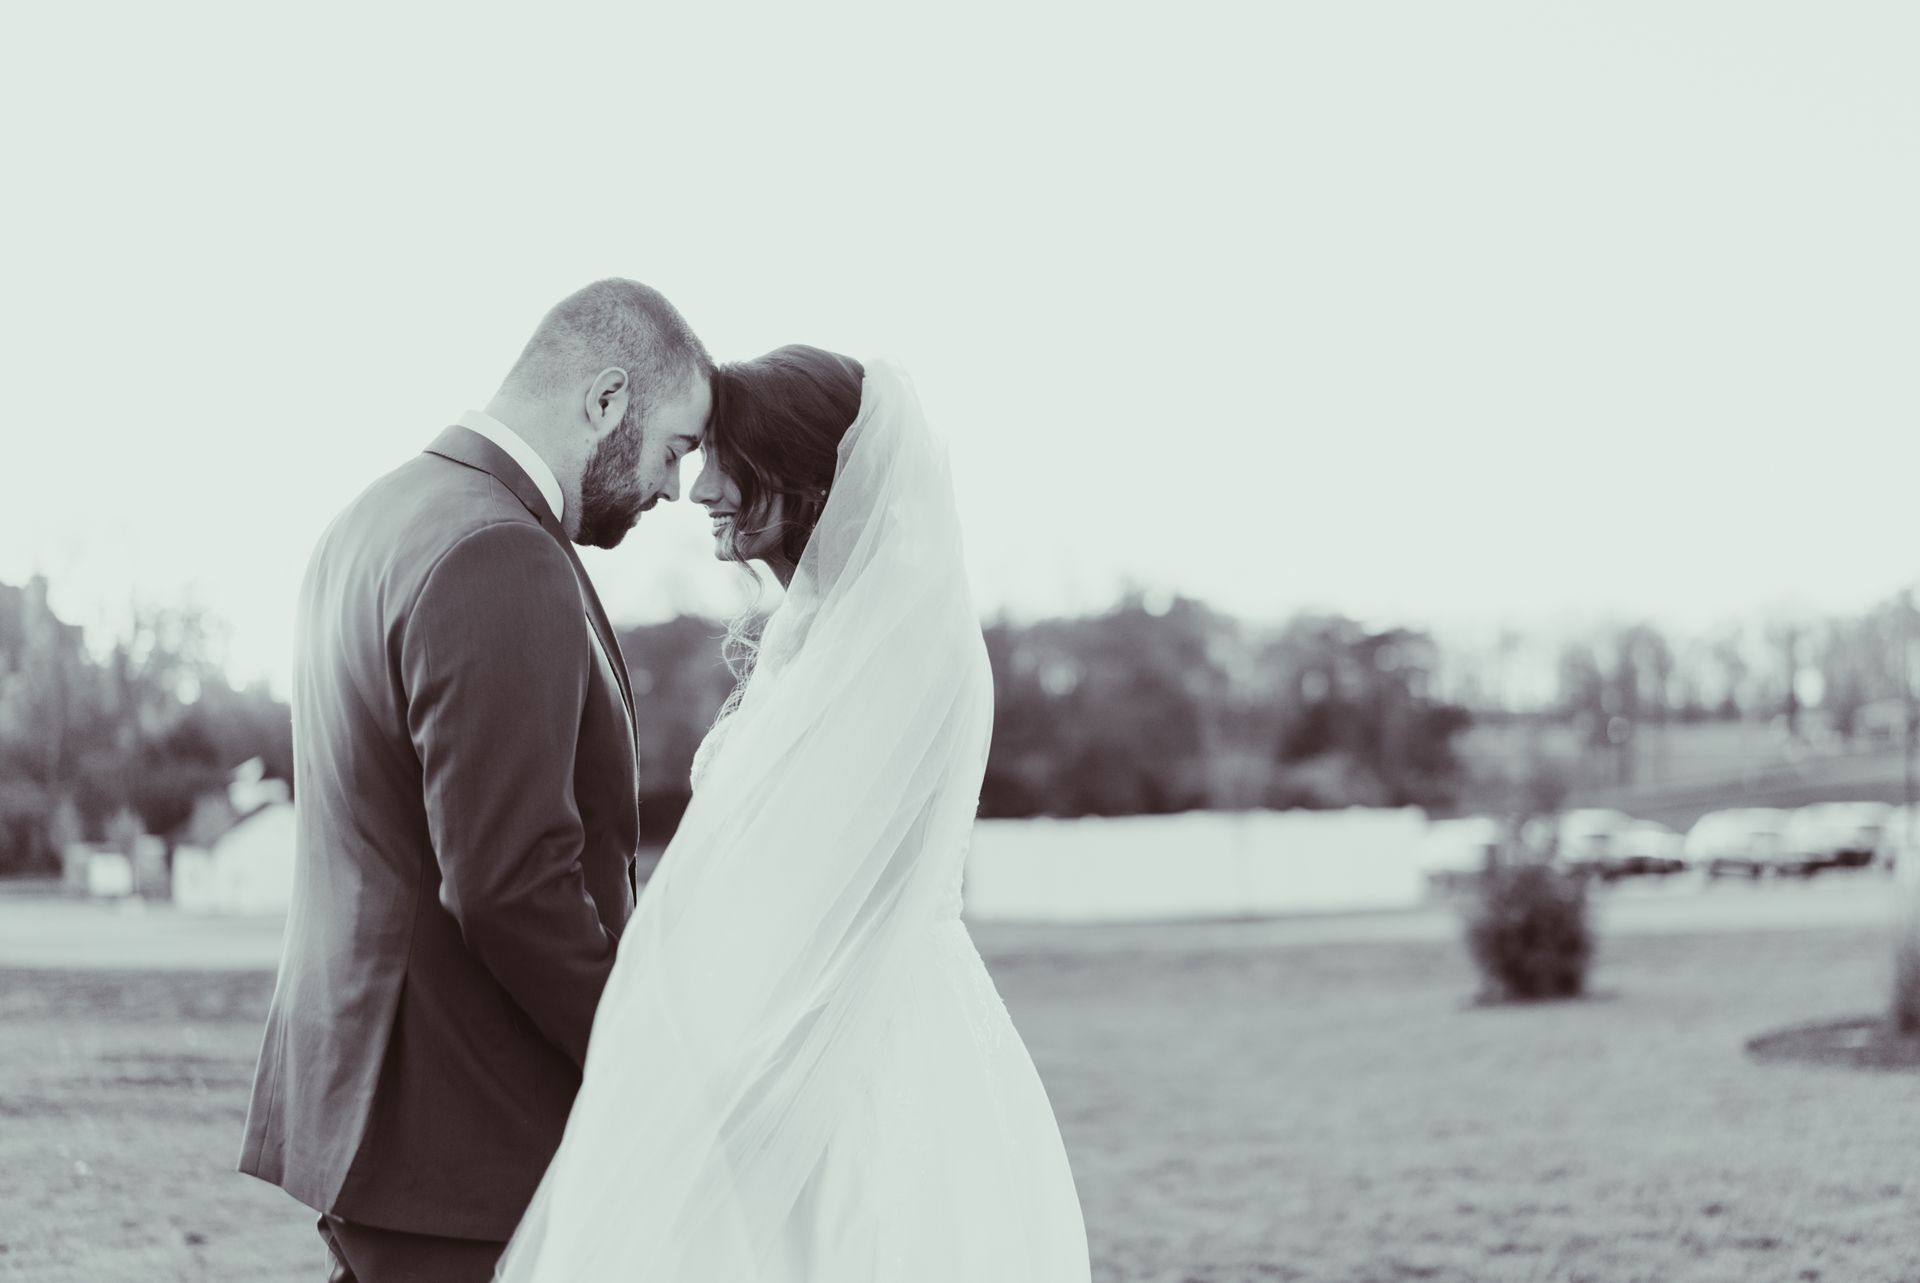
{"points": [[825, 839]]}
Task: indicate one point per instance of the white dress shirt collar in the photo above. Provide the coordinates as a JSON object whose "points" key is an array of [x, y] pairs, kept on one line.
{"points": [[521, 453]]}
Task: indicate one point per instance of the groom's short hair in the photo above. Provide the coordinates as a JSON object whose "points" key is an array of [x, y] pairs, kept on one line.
{"points": [[612, 322]]}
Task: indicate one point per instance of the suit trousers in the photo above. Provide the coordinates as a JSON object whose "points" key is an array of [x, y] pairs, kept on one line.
{"points": [[368, 1254]]}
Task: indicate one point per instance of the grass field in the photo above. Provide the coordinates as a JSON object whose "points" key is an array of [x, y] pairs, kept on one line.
{"points": [[1332, 1112]]}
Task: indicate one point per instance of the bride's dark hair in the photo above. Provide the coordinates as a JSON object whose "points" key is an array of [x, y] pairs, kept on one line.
{"points": [[775, 429]]}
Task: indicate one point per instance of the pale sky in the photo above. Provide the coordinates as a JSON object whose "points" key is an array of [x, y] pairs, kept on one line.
{"points": [[1427, 313]]}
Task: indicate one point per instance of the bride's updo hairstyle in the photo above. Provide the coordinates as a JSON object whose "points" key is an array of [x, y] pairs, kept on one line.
{"points": [[775, 430]]}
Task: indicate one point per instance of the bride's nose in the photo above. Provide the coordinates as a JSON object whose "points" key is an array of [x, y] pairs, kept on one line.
{"points": [[706, 487]]}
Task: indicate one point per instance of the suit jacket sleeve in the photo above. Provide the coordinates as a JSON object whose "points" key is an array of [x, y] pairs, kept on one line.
{"points": [[496, 661]]}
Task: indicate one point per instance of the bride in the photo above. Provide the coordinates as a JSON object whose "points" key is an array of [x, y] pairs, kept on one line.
{"points": [[800, 1071]]}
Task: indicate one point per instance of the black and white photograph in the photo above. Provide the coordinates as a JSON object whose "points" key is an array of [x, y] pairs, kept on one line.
{"points": [[1010, 643]]}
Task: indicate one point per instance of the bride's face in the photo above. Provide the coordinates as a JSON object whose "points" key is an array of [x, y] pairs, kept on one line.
{"points": [[719, 494]]}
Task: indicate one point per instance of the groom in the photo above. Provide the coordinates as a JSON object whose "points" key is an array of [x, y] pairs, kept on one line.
{"points": [[467, 813]]}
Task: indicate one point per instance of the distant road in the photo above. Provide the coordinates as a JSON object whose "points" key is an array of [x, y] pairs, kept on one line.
{"points": [[49, 932], [1847, 777], [1683, 905]]}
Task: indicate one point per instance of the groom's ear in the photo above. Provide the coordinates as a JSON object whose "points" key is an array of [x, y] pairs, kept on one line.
{"points": [[606, 402]]}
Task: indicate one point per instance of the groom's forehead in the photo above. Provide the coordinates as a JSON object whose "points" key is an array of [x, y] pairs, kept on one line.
{"points": [[685, 420], [701, 409]]}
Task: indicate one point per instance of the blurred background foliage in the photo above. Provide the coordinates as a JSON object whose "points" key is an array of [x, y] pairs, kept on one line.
{"points": [[96, 741], [1159, 705]]}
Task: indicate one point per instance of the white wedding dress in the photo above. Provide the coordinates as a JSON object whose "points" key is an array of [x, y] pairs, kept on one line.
{"points": [[801, 1071]]}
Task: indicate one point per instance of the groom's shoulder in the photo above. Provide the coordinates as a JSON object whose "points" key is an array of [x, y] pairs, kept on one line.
{"points": [[410, 518], [434, 498]]}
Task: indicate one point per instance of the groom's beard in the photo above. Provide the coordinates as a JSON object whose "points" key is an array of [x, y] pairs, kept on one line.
{"points": [[611, 495]]}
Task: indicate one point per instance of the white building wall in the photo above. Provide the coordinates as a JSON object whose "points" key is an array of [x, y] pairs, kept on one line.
{"points": [[1197, 865]]}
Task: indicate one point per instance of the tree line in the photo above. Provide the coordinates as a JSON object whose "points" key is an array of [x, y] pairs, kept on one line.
{"points": [[1156, 705]]}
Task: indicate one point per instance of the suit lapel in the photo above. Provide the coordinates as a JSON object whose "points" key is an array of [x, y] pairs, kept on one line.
{"points": [[461, 445], [599, 617]]}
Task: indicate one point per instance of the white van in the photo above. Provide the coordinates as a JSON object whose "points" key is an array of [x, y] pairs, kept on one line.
{"points": [[1747, 840]]}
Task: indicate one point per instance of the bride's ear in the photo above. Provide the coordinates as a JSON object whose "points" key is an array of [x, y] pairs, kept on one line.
{"points": [[606, 402]]}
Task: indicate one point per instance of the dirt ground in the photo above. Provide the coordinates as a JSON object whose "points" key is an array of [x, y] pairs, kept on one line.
{"points": [[1317, 1111]]}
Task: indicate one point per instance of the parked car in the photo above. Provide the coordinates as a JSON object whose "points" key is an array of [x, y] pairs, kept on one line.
{"points": [[1647, 846], [1605, 843], [1747, 840], [1456, 852], [1898, 850], [1585, 840], [1833, 835]]}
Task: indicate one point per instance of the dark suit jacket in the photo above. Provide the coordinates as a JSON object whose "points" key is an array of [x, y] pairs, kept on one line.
{"points": [[467, 820]]}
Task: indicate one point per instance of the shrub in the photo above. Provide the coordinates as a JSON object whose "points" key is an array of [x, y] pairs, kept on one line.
{"points": [[1528, 932]]}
